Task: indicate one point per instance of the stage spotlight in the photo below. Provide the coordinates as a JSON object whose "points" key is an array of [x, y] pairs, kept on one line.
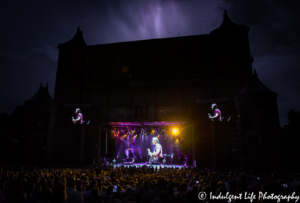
{"points": [[175, 131]]}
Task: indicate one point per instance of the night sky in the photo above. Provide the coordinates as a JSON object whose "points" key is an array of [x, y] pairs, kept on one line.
{"points": [[31, 31]]}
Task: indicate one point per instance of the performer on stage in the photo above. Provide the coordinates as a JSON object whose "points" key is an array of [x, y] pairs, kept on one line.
{"points": [[158, 153], [217, 112], [79, 118]]}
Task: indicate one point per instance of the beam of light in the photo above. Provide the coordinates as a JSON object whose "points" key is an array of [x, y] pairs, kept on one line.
{"points": [[175, 131], [140, 152], [134, 137], [158, 19]]}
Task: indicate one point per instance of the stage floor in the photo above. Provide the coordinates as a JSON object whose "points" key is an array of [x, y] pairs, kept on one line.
{"points": [[127, 164]]}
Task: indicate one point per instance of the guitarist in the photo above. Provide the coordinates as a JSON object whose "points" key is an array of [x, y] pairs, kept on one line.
{"points": [[79, 118], [217, 113], [157, 151]]}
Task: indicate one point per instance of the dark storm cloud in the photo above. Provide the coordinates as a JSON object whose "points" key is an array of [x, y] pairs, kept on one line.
{"points": [[12, 57], [21, 75], [34, 56], [138, 20], [32, 30], [46, 53]]}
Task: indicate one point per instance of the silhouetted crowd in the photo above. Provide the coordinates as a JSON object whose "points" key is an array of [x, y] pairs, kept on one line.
{"points": [[107, 184]]}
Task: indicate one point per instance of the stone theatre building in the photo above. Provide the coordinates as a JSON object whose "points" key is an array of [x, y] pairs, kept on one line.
{"points": [[161, 83]]}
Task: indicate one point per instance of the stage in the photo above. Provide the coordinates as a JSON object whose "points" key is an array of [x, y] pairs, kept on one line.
{"points": [[129, 164]]}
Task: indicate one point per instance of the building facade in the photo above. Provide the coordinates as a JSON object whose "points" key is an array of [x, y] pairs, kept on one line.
{"points": [[159, 84]]}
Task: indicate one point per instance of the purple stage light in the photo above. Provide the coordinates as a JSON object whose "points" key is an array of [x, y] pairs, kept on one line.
{"points": [[156, 123], [127, 152]]}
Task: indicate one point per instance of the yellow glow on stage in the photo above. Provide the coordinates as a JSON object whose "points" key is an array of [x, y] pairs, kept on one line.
{"points": [[175, 131]]}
